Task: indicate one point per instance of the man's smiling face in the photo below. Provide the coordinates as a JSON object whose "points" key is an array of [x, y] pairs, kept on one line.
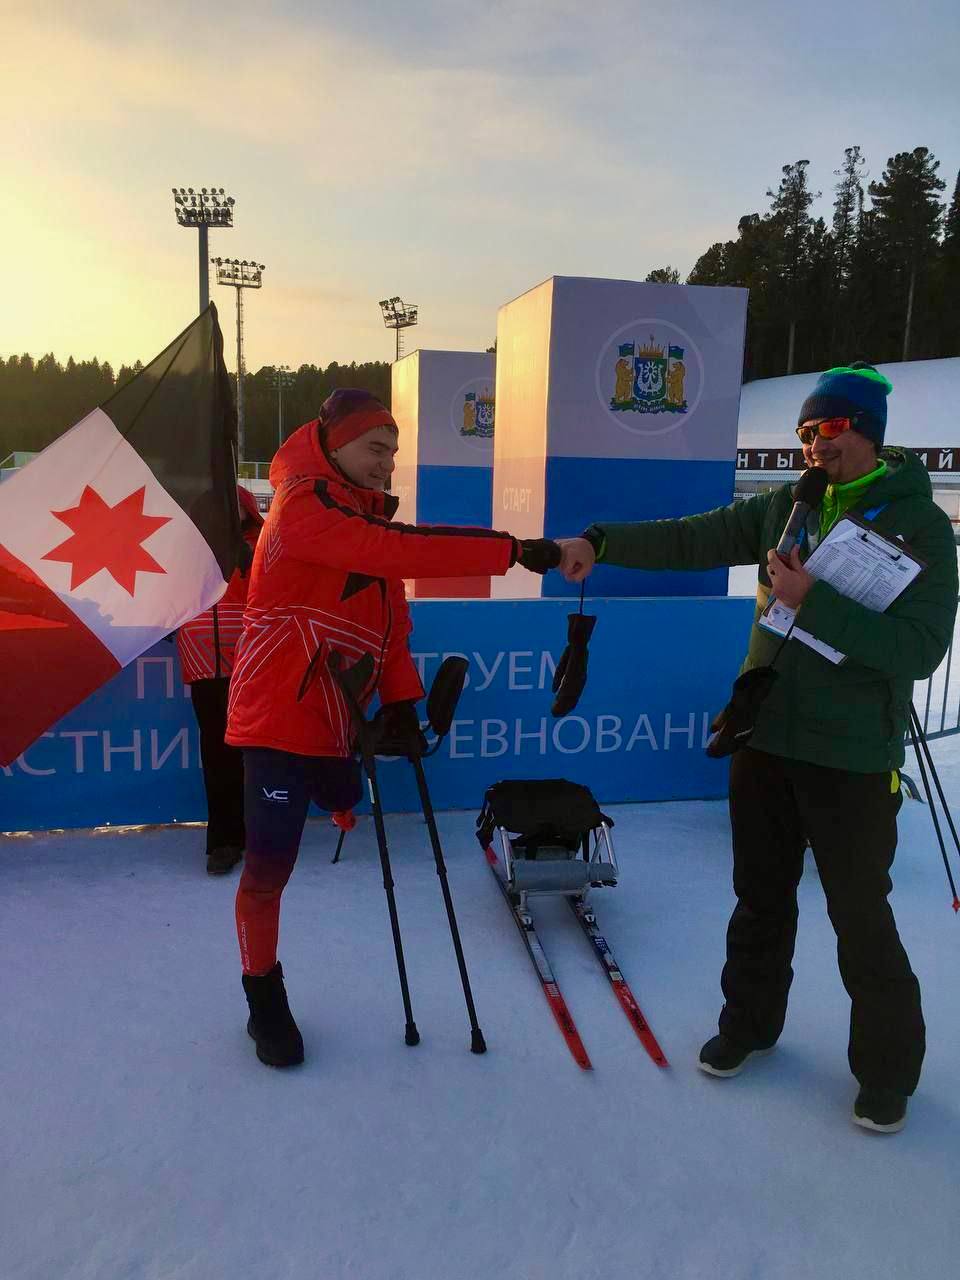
{"points": [[844, 458], [369, 461]]}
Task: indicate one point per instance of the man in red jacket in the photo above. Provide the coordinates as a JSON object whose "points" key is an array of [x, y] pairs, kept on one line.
{"points": [[327, 576], [207, 646]]}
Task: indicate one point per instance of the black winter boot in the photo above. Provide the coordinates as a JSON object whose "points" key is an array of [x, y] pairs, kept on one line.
{"points": [[721, 1057], [223, 859], [882, 1110], [271, 1024]]}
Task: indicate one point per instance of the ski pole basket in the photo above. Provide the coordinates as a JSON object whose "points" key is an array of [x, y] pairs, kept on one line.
{"points": [[553, 837]]}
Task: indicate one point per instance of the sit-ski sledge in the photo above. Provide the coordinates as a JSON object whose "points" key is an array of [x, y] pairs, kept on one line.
{"points": [[554, 840]]}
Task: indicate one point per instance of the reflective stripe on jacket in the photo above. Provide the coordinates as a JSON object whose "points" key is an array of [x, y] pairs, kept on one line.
{"points": [[328, 575]]}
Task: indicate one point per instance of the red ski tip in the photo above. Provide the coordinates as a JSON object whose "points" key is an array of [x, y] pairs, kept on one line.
{"points": [[956, 904]]}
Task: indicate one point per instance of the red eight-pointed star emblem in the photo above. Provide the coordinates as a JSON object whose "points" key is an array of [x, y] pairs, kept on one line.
{"points": [[108, 538]]}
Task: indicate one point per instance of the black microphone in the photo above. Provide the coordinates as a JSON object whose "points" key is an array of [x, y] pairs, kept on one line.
{"points": [[808, 495]]}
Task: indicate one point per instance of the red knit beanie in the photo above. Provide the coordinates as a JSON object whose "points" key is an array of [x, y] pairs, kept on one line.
{"points": [[348, 414]]}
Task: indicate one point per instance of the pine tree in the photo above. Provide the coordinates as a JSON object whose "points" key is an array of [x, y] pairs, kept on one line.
{"points": [[792, 223], [847, 208], [908, 221], [818, 300], [847, 212], [663, 275], [949, 277], [746, 262], [864, 333], [951, 224], [710, 267]]}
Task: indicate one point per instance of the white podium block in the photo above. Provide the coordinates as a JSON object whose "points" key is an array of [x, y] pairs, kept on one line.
{"points": [[616, 401], [443, 402]]}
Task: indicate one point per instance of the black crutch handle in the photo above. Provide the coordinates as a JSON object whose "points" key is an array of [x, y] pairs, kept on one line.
{"points": [[352, 682], [445, 693]]}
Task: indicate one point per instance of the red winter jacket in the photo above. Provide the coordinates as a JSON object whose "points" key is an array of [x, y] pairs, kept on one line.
{"points": [[328, 575], [207, 643]]}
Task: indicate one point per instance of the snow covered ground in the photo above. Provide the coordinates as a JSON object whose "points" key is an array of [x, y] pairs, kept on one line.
{"points": [[142, 1138]]}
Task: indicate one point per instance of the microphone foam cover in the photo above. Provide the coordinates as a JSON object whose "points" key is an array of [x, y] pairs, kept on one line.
{"points": [[811, 487]]}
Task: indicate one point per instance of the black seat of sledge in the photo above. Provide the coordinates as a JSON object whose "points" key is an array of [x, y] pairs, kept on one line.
{"points": [[546, 827], [544, 814]]}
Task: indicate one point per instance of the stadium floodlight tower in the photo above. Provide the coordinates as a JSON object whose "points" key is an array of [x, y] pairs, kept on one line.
{"points": [[208, 207], [281, 380], [398, 315], [239, 275]]}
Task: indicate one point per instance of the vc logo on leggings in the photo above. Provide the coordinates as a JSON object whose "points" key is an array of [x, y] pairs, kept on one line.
{"points": [[276, 796]]}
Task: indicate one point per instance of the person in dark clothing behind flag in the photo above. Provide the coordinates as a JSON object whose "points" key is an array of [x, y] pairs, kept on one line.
{"points": [[327, 577], [207, 646], [822, 763]]}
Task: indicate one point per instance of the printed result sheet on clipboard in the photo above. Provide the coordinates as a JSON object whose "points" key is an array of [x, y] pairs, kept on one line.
{"points": [[861, 564]]}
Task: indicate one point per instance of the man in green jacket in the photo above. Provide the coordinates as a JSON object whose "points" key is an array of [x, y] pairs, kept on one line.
{"points": [[822, 763]]}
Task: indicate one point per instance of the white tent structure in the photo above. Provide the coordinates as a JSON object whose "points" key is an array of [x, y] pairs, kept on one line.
{"points": [[923, 414]]}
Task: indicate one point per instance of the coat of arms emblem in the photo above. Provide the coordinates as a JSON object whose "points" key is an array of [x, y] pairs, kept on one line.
{"points": [[649, 378], [478, 414]]}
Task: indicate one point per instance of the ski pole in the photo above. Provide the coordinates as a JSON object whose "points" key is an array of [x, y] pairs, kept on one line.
{"points": [[917, 736], [477, 1042], [346, 680]]}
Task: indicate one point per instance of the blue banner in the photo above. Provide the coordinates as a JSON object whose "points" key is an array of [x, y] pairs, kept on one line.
{"points": [[660, 669]]}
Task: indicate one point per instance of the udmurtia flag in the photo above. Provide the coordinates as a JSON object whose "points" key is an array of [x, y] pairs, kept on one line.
{"points": [[118, 532]]}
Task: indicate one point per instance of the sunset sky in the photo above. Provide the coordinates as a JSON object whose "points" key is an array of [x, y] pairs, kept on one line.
{"points": [[454, 154]]}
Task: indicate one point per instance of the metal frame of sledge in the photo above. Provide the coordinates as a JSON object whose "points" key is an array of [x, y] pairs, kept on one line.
{"points": [[571, 877], [581, 836]]}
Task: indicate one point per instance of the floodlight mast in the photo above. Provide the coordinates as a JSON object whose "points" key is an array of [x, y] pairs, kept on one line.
{"points": [[208, 207], [399, 315], [239, 275], [281, 380]]}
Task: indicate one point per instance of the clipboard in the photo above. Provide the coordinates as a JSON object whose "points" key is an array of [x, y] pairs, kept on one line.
{"points": [[862, 565]]}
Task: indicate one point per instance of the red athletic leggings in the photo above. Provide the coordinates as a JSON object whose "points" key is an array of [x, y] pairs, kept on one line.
{"points": [[278, 788]]}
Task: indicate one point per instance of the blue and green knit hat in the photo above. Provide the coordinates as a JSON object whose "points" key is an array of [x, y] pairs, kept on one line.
{"points": [[854, 391]]}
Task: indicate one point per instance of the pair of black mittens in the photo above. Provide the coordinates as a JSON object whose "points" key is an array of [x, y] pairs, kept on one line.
{"points": [[570, 677]]}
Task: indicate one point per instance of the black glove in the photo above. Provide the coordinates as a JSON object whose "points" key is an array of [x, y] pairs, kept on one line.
{"points": [[539, 554], [397, 730], [733, 727], [570, 677]]}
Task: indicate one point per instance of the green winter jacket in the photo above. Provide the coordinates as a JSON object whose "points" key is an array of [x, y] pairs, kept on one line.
{"points": [[848, 716]]}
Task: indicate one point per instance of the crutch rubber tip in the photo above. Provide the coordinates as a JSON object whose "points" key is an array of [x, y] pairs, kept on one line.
{"points": [[413, 1035], [477, 1042]]}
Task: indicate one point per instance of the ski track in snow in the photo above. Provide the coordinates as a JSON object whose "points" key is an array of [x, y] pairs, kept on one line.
{"points": [[143, 1139]]}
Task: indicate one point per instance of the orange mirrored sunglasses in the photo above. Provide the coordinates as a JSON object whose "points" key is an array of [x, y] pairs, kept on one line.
{"points": [[829, 428]]}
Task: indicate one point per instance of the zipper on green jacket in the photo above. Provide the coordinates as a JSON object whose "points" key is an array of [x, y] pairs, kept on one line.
{"points": [[839, 498]]}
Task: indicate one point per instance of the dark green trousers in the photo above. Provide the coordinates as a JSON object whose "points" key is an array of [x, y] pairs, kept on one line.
{"points": [[850, 821]]}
